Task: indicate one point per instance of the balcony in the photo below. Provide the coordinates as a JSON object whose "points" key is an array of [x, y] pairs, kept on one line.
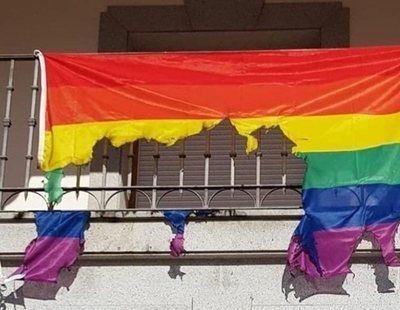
{"points": [[207, 171]]}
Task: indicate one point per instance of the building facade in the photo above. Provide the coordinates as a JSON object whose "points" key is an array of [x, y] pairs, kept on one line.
{"points": [[236, 258]]}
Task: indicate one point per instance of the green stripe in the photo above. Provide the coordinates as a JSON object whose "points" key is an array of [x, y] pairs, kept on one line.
{"points": [[370, 166]]}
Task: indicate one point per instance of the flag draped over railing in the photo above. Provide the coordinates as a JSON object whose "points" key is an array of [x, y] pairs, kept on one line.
{"points": [[341, 108]]}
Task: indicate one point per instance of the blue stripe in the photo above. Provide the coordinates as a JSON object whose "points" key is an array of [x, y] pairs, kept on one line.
{"points": [[177, 219], [351, 206], [345, 207], [62, 224]]}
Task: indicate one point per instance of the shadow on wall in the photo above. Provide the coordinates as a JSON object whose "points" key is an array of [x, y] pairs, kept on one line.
{"points": [[39, 290], [175, 271], [305, 287]]}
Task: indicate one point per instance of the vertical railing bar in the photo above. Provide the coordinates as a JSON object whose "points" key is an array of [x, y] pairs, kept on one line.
{"points": [[258, 169], [31, 125], [104, 171], [284, 155], [207, 156], [156, 157], [78, 180], [120, 171], [182, 156], [133, 155], [6, 124], [130, 167], [232, 156]]}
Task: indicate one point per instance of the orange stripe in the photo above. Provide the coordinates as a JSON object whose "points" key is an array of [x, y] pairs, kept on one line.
{"points": [[373, 95]]}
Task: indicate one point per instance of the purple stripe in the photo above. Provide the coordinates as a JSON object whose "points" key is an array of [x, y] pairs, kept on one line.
{"points": [[298, 258], [177, 245], [384, 234], [46, 256], [334, 248]]}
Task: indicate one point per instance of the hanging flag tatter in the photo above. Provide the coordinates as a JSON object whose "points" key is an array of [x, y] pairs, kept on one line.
{"points": [[177, 220], [60, 240], [340, 107]]}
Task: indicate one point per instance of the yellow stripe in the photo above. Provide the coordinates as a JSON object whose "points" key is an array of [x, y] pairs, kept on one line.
{"points": [[327, 133], [67, 144], [73, 144]]}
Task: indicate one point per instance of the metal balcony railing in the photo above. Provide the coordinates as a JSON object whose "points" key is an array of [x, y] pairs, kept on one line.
{"points": [[210, 171]]}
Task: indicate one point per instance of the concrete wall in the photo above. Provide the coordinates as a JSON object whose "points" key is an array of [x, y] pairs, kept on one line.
{"points": [[196, 284], [152, 284]]}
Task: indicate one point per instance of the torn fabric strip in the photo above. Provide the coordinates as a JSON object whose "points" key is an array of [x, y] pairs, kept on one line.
{"points": [[58, 244]]}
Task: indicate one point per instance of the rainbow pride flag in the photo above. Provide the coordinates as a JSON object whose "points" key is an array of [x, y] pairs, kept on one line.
{"points": [[341, 108]]}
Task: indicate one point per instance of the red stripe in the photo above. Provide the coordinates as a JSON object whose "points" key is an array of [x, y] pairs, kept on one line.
{"points": [[290, 67]]}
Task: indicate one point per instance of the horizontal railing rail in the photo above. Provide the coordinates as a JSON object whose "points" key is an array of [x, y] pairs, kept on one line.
{"points": [[21, 57], [143, 189]]}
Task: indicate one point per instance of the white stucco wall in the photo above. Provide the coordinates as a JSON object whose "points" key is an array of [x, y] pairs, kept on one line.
{"points": [[73, 26], [213, 284]]}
